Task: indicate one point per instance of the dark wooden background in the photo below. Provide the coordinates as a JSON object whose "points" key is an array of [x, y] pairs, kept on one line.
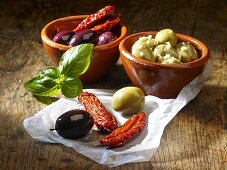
{"points": [[194, 139]]}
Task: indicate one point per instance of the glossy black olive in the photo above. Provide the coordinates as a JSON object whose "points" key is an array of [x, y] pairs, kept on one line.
{"points": [[73, 124], [63, 37], [106, 37], [84, 36]]}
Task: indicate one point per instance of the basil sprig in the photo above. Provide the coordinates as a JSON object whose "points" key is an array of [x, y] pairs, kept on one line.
{"points": [[51, 81]]}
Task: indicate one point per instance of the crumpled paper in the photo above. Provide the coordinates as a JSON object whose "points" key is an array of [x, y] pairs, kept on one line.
{"points": [[159, 113]]}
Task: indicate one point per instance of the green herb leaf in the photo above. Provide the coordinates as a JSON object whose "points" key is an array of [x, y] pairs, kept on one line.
{"points": [[46, 99], [76, 60], [45, 84], [71, 87], [51, 72], [65, 78]]}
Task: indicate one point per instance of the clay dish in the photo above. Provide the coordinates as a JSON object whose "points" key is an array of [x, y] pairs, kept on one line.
{"points": [[161, 80], [104, 56]]}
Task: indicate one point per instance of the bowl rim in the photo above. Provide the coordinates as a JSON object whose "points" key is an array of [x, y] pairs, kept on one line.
{"points": [[195, 42], [53, 44]]}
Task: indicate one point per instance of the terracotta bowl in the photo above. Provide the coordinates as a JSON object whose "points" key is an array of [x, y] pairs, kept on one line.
{"points": [[161, 80], [104, 56]]}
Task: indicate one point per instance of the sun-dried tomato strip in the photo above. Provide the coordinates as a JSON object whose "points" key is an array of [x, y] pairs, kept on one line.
{"points": [[107, 25], [122, 129], [103, 119], [91, 20], [121, 138]]}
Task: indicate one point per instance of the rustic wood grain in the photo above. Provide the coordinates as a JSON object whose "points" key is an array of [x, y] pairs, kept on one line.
{"points": [[194, 139]]}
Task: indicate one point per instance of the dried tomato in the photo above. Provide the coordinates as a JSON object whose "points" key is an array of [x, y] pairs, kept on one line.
{"points": [[127, 131], [103, 119], [93, 19], [106, 26]]}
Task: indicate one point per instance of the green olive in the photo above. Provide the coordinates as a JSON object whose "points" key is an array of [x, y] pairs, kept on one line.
{"points": [[159, 50], [143, 52], [186, 52], [164, 49], [128, 100], [148, 41], [143, 47], [166, 35], [168, 59]]}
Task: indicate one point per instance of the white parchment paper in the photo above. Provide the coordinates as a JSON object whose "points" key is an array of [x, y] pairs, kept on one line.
{"points": [[159, 113]]}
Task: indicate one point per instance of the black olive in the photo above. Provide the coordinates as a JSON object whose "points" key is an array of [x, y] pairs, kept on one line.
{"points": [[106, 37], [63, 37], [73, 124], [84, 36]]}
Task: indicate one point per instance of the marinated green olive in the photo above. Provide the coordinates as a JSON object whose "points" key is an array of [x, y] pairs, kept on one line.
{"points": [[143, 47], [168, 59], [186, 52], [143, 52], [128, 100], [164, 49], [166, 35], [148, 41]]}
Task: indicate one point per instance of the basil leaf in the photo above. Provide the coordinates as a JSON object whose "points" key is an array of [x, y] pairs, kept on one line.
{"points": [[45, 84], [71, 87], [76, 60], [51, 72], [65, 78], [46, 99]]}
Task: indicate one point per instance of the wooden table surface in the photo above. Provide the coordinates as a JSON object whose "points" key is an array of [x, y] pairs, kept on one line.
{"points": [[195, 139]]}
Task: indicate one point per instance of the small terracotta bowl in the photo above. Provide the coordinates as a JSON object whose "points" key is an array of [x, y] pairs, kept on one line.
{"points": [[162, 80], [104, 56]]}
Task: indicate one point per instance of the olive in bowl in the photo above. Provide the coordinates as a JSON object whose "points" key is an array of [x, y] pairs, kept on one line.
{"points": [[158, 79], [104, 56], [63, 37], [84, 36], [74, 124]]}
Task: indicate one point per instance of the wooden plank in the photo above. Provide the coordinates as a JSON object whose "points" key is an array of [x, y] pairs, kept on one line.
{"points": [[194, 139]]}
